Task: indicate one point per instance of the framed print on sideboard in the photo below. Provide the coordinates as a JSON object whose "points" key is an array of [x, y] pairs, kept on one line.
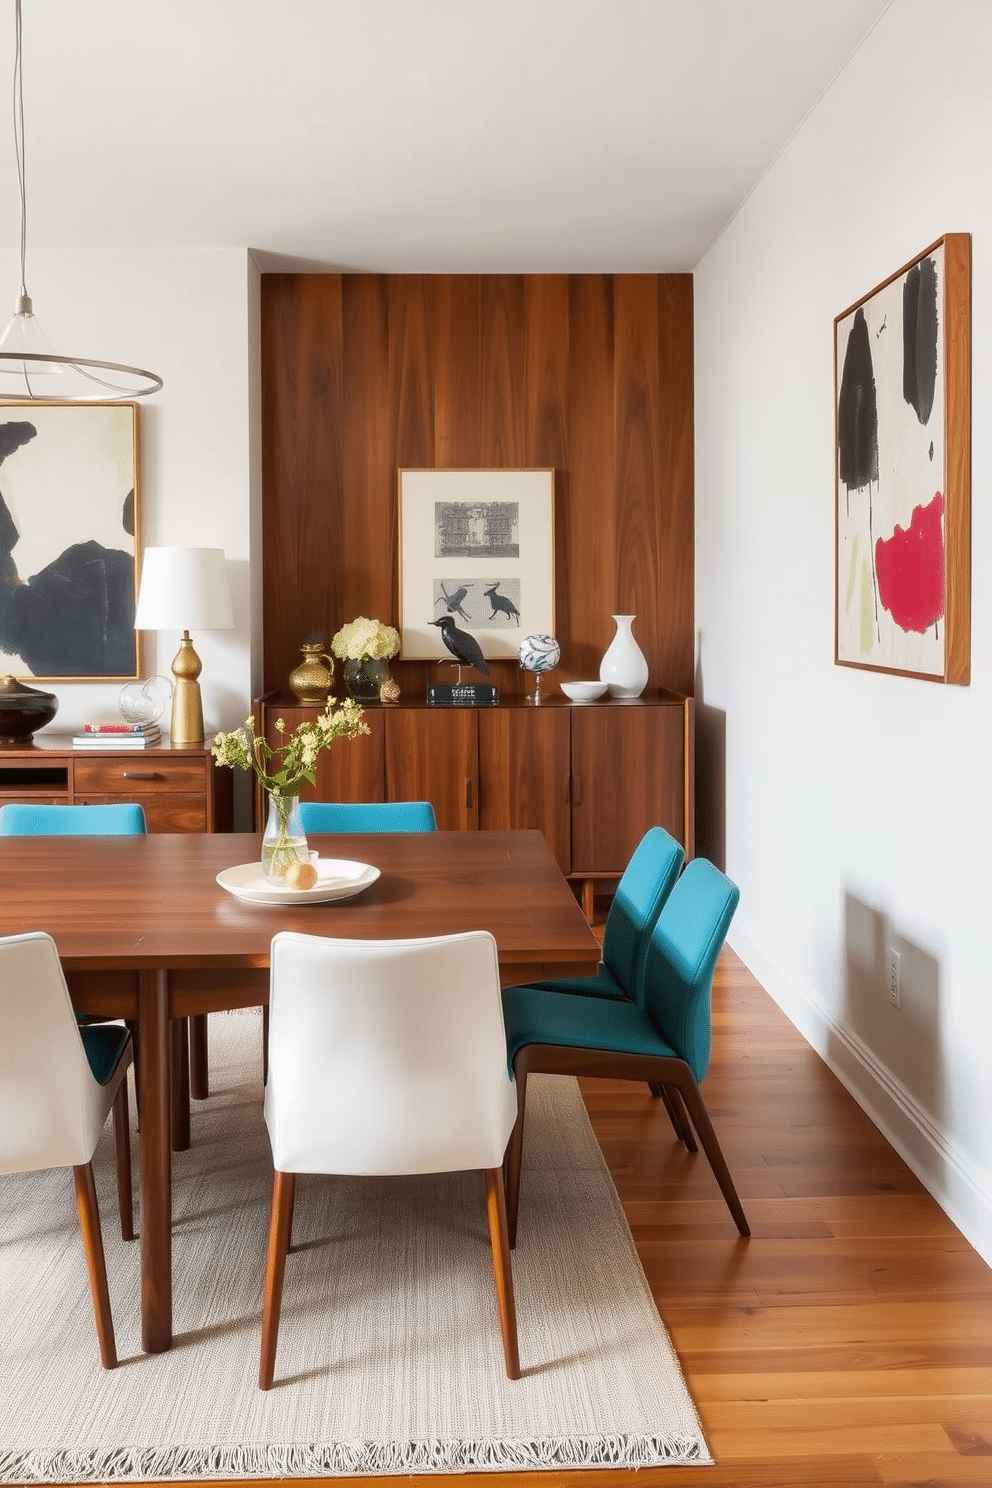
{"points": [[477, 545], [68, 541], [902, 405]]}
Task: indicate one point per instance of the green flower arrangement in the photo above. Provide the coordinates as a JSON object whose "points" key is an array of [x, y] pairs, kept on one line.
{"points": [[282, 769], [366, 640]]}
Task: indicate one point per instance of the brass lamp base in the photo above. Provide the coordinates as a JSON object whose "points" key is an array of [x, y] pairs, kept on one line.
{"points": [[187, 705]]}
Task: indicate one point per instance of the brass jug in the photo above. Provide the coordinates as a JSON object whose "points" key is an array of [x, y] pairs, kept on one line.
{"points": [[311, 680]]}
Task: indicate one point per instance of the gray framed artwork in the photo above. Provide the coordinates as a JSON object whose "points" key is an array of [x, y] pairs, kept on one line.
{"points": [[68, 541], [477, 545]]}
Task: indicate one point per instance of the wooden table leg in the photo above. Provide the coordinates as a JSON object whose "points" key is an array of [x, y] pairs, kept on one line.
{"points": [[156, 1162]]}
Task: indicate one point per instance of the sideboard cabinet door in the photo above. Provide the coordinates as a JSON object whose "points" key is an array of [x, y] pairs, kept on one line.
{"points": [[432, 754], [524, 774], [627, 775], [348, 770]]}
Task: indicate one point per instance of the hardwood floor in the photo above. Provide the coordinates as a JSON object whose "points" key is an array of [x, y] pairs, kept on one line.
{"points": [[849, 1341]]}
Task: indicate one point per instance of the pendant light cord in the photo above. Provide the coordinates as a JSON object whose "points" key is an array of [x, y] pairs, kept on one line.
{"points": [[19, 142], [100, 381]]}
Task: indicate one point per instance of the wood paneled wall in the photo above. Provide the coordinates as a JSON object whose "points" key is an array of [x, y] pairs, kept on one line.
{"points": [[363, 374]]}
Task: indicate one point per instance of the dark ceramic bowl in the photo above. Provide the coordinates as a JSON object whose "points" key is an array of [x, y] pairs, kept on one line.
{"points": [[23, 710]]}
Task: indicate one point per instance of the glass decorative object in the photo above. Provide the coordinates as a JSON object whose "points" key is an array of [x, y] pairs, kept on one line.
{"points": [[624, 668], [284, 842], [364, 677], [144, 702]]}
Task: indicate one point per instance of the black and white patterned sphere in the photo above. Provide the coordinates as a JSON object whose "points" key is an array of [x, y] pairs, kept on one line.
{"points": [[539, 653]]}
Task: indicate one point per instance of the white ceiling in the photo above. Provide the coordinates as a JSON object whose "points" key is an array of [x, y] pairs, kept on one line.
{"points": [[411, 135]]}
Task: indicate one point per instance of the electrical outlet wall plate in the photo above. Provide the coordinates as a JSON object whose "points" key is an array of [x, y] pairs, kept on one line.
{"points": [[895, 990]]}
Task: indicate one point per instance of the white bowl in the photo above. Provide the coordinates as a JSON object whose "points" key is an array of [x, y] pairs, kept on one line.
{"points": [[583, 692]]}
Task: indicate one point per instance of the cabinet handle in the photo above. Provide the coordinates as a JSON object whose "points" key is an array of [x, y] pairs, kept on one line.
{"points": [[576, 790], [140, 774], [568, 788], [468, 792]]}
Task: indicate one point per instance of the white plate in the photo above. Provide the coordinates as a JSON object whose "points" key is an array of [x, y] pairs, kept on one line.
{"points": [[337, 878]]}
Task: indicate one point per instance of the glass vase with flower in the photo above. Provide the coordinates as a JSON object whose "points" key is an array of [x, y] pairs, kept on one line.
{"points": [[365, 646], [281, 770]]}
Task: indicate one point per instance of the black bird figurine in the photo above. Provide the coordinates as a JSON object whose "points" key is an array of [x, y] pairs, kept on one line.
{"points": [[463, 647]]}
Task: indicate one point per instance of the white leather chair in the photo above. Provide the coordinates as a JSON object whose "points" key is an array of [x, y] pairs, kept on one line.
{"points": [[58, 1084], [386, 1057]]}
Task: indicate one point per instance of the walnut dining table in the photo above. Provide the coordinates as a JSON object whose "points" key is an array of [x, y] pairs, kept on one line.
{"points": [[145, 932]]}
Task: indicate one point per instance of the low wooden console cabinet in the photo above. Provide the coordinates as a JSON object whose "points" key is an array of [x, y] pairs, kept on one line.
{"points": [[591, 776], [181, 790]]}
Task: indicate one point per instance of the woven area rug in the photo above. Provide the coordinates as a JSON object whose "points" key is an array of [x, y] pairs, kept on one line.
{"points": [[389, 1358]]}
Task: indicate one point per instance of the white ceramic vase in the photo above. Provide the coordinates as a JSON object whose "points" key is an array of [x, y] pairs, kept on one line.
{"points": [[624, 668]]}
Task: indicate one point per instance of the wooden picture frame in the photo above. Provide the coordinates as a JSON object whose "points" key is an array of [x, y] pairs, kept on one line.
{"points": [[477, 545], [68, 541], [902, 407]]}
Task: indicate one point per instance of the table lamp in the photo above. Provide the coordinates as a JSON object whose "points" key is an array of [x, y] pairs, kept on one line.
{"points": [[184, 589]]}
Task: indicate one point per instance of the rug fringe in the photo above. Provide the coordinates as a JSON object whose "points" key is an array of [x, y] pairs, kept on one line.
{"points": [[339, 1459]]}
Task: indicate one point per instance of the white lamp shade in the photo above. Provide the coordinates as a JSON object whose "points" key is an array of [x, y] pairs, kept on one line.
{"points": [[184, 589]]}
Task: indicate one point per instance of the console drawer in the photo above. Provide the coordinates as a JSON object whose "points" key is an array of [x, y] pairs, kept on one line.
{"points": [[127, 779]]}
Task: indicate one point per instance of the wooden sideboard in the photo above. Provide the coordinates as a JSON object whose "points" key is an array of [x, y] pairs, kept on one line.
{"points": [[591, 776], [181, 789]]}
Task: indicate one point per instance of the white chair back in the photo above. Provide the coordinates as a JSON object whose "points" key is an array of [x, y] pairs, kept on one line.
{"points": [[52, 1110], [387, 1056]]}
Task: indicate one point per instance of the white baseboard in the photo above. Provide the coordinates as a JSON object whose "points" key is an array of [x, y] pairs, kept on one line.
{"points": [[959, 1188]]}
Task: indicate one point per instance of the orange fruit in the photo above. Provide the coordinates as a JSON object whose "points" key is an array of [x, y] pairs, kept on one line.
{"points": [[301, 875]]}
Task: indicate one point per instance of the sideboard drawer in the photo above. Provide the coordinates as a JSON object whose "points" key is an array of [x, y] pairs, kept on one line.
{"points": [[173, 813], [123, 778]]}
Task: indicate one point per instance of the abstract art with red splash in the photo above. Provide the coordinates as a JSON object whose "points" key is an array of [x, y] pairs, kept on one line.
{"points": [[892, 510]]}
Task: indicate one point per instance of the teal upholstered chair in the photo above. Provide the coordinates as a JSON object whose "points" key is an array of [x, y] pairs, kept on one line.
{"points": [[647, 882], [665, 1040], [115, 819], [118, 819], [370, 816]]}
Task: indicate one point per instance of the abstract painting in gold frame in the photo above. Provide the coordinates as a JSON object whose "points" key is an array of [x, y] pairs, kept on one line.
{"points": [[902, 405], [68, 541]]}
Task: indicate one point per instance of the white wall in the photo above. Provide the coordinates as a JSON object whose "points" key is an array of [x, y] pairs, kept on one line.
{"points": [[192, 317], [858, 805]]}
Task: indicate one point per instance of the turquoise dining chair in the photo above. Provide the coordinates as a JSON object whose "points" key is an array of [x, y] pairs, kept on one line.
{"points": [[369, 816], [113, 819], [116, 819], [647, 881], [356, 816], [665, 1040]]}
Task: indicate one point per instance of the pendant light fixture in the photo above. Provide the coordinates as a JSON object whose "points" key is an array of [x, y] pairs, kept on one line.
{"points": [[30, 371]]}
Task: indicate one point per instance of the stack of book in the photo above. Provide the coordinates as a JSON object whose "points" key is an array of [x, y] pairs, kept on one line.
{"points": [[116, 734]]}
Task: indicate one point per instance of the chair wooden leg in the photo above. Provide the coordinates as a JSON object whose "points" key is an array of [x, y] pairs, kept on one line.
{"points": [[89, 1225], [199, 1064], [499, 1240], [280, 1225], [690, 1094], [514, 1153], [132, 1028], [681, 1124], [122, 1153], [179, 1039]]}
